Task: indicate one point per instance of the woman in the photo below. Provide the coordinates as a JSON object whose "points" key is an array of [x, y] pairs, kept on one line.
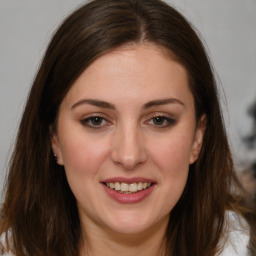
{"points": [[121, 148]]}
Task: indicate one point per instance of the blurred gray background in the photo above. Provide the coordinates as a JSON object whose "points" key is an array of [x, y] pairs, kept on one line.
{"points": [[227, 26]]}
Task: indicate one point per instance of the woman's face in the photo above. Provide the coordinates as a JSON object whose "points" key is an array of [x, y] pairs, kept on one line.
{"points": [[126, 135]]}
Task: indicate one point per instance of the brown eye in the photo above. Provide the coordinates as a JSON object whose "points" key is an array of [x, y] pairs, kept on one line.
{"points": [[94, 122], [161, 121]]}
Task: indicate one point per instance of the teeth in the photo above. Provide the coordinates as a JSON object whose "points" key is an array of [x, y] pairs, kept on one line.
{"points": [[144, 185], [133, 187], [124, 187], [117, 186], [128, 188]]}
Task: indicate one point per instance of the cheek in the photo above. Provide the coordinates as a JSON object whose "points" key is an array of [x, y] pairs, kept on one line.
{"points": [[173, 153], [172, 161], [83, 158], [82, 155]]}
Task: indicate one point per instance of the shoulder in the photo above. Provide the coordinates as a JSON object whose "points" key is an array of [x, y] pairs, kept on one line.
{"points": [[236, 235]]}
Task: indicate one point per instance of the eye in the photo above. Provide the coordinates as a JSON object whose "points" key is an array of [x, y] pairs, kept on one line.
{"points": [[161, 121], [94, 122]]}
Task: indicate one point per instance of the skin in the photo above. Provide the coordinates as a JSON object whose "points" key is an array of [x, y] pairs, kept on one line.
{"points": [[129, 141]]}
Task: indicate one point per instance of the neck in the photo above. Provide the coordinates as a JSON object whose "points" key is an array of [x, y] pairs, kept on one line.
{"points": [[100, 241]]}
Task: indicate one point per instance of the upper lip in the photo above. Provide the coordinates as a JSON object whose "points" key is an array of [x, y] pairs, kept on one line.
{"points": [[127, 180]]}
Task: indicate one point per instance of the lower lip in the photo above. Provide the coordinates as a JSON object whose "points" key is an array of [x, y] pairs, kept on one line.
{"points": [[129, 198]]}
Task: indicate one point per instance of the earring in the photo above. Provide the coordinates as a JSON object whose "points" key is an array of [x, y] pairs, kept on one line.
{"points": [[56, 158]]}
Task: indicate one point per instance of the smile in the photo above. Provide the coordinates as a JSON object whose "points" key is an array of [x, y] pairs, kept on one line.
{"points": [[126, 188]]}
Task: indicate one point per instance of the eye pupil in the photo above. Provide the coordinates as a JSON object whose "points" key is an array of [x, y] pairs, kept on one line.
{"points": [[96, 120], [158, 120]]}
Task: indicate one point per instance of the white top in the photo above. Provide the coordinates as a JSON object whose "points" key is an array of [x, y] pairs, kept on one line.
{"points": [[236, 239]]}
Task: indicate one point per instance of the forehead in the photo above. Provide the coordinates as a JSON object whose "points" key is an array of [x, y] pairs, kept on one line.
{"points": [[141, 71]]}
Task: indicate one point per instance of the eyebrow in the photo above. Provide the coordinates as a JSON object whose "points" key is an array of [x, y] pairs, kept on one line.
{"points": [[94, 102], [154, 103], [104, 104]]}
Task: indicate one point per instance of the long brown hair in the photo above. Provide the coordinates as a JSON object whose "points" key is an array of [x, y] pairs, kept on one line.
{"points": [[39, 209]]}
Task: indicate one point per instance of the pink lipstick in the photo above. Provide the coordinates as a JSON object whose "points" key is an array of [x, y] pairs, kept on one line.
{"points": [[128, 190]]}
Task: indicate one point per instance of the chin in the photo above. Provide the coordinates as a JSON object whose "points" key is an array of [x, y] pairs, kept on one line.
{"points": [[134, 223]]}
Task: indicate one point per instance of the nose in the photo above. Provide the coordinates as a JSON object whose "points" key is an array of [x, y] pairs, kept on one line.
{"points": [[128, 149]]}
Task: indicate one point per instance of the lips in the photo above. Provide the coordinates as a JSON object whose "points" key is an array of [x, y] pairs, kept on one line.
{"points": [[129, 191]]}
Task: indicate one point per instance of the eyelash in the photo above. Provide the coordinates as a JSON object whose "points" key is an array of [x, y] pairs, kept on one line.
{"points": [[165, 122], [89, 122]]}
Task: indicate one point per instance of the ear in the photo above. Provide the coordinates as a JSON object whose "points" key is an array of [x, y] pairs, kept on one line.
{"points": [[56, 147], [198, 139]]}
